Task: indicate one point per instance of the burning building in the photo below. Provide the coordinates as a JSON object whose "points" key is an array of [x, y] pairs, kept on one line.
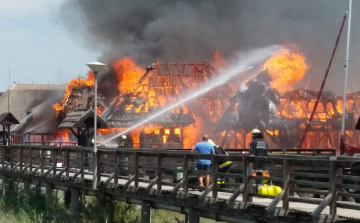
{"points": [[267, 100], [131, 94]]}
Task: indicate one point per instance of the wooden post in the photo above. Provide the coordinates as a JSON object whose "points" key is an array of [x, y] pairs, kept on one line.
{"points": [[136, 174], [6, 189], [31, 159], [21, 158], [67, 198], [108, 210], [67, 158], [186, 173], [27, 187], [117, 162], [98, 154], [159, 171], [214, 175], [194, 216], [42, 159], [3, 156], [333, 184], [38, 191], [11, 158], [74, 205], [247, 170], [82, 164], [48, 196], [145, 212], [54, 161], [286, 186]]}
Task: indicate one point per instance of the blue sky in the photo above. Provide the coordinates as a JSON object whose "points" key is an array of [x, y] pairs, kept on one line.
{"points": [[37, 46]]}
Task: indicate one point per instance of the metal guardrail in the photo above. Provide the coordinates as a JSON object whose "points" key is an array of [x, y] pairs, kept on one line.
{"points": [[326, 176]]}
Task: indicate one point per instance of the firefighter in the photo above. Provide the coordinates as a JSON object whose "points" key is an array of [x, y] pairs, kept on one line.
{"points": [[123, 142], [224, 166], [258, 147]]}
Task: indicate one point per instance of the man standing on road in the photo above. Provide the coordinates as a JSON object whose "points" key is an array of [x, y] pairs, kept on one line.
{"points": [[204, 147]]}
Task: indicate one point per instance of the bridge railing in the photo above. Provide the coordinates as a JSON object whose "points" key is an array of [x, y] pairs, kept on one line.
{"points": [[322, 180]]}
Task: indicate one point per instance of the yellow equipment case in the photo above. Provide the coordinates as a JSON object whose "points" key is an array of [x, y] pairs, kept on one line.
{"points": [[269, 190]]}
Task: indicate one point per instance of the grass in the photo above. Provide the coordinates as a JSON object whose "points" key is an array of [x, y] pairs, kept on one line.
{"points": [[31, 208]]}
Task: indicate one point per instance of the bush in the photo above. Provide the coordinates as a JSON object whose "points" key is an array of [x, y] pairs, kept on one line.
{"points": [[31, 208]]}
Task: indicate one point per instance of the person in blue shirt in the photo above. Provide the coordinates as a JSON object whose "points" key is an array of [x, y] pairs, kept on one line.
{"points": [[204, 147]]}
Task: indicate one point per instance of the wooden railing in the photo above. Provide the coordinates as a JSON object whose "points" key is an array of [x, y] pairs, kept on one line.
{"points": [[302, 178]]}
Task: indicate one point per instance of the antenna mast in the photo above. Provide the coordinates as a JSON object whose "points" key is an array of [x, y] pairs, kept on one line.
{"points": [[9, 92]]}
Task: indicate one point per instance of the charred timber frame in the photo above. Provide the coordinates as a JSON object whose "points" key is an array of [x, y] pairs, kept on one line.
{"points": [[297, 105]]}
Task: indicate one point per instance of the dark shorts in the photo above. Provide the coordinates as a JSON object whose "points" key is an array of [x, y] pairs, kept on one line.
{"points": [[204, 167]]}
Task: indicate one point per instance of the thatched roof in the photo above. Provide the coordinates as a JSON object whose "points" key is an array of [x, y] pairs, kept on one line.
{"points": [[24, 97], [8, 118], [82, 118]]}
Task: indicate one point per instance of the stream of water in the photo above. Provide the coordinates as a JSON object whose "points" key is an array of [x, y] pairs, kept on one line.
{"points": [[246, 61]]}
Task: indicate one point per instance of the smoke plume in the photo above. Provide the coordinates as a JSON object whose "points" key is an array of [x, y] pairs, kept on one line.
{"points": [[190, 30]]}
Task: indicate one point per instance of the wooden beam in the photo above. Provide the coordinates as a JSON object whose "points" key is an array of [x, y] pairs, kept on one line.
{"points": [[236, 193], [151, 184], [206, 192], [75, 134], [177, 187]]}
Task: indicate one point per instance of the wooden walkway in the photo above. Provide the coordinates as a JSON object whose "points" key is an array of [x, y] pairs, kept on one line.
{"points": [[135, 175]]}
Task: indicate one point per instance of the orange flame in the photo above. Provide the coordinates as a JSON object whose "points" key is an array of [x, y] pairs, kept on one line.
{"points": [[62, 135], [128, 74], [285, 68], [217, 60], [74, 83], [192, 133]]}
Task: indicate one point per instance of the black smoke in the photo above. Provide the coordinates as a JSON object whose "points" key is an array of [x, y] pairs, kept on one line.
{"points": [[191, 30]]}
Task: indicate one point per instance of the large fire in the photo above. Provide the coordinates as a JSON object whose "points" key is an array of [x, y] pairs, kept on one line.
{"points": [[74, 83], [286, 68], [128, 74]]}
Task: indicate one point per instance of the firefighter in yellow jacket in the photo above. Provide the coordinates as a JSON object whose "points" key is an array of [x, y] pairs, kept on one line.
{"points": [[224, 165]]}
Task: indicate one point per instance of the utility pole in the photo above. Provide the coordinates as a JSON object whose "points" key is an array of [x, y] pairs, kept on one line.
{"points": [[343, 118]]}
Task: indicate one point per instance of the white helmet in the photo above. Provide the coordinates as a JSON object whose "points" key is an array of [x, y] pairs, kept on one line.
{"points": [[211, 142], [255, 131], [123, 136], [92, 141]]}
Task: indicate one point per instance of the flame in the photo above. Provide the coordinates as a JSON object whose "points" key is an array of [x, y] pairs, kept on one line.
{"points": [[285, 68], [192, 133], [62, 135], [128, 74], [276, 132], [109, 131], [217, 60], [74, 83], [135, 134], [349, 105]]}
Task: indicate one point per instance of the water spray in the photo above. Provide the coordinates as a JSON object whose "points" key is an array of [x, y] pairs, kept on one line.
{"points": [[245, 62]]}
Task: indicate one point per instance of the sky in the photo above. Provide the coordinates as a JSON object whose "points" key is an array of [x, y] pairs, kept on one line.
{"points": [[36, 46], [43, 42]]}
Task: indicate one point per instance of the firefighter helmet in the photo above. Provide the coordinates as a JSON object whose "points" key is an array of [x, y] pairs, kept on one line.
{"points": [[211, 142], [123, 136], [255, 131]]}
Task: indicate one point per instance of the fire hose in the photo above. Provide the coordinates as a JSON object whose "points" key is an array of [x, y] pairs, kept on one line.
{"points": [[323, 83]]}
